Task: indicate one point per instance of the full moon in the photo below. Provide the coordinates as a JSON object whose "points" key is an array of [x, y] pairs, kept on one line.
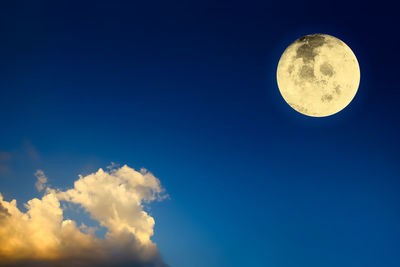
{"points": [[318, 75]]}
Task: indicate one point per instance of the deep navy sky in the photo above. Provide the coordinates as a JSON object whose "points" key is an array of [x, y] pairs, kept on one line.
{"points": [[188, 91]]}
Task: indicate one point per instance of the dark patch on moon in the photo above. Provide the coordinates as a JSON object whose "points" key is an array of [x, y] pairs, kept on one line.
{"points": [[326, 69], [337, 89], [326, 98], [324, 82], [306, 51], [315, 40], [306, 72]]}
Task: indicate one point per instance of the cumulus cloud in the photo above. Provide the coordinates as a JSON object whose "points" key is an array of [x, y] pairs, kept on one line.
{"points": [[41, 236], [41, 180], [3, 212]]}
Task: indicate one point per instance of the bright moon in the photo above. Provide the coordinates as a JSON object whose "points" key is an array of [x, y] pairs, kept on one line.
{"points": [[318, 75]]}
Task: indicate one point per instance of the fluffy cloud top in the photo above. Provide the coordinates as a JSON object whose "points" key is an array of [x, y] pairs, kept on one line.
{"points": [[114, 198]]}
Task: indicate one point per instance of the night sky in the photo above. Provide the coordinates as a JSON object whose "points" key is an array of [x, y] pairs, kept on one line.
{"points": [[188, 91]]}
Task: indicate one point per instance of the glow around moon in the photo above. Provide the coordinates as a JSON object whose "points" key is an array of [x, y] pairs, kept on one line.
{"points": [[318, 75]]}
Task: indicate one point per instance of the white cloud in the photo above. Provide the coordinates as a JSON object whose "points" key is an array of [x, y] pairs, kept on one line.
{"points": [[114, 198], [41, 180]]}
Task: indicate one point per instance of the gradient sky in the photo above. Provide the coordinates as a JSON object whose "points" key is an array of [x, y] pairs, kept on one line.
{"points": [[188, 91]]}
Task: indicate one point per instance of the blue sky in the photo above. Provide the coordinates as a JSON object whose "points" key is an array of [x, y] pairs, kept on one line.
{"points": [[188, 91]]}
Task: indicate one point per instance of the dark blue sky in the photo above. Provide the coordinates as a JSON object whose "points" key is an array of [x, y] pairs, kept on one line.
{"points": [[188, 91]]}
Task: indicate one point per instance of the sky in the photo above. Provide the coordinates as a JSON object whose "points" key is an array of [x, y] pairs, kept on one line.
{"points": [[177, 105]]}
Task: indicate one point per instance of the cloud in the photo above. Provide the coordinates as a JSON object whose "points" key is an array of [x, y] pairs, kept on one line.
{"points": [[41, 180], [115, 198], [3, 212]]}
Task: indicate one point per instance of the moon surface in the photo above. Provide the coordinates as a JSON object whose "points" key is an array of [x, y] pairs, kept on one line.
{"points": [[318, 75]]}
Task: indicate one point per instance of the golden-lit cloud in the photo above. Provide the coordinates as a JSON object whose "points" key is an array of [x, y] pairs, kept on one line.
{"points": [[114, 198]]}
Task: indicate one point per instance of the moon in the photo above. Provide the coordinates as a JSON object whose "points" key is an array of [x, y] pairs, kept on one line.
{"points": [[318, 75]]}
